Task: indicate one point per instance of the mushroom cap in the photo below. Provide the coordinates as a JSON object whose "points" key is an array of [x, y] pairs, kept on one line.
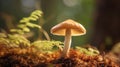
{"points": [[76, 28]]}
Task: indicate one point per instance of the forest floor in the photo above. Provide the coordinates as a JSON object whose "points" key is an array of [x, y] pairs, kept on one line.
{"points": [[28, 57]]}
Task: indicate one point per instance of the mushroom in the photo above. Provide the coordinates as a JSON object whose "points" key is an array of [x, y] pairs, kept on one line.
{"points": [[68, 28]]}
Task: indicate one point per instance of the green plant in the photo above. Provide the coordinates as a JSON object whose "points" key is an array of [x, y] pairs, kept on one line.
{"points": [[26, 23], [89, 51], [47, 46], [18, 41], [15, 40]]}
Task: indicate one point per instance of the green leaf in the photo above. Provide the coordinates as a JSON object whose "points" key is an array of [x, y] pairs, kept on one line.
{"points": [[20, 31], [33, 19], [24, 20], [33, 25], [37, 12], [25, 29], [13, 30], [21, 25], [37, 26], [35, 16], [30, 25]]}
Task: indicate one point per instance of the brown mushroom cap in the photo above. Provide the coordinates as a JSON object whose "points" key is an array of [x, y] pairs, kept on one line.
{"points": [[76, 28]]}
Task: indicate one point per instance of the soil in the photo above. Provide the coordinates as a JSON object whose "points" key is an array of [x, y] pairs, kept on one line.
{"points": [[28, 57]]}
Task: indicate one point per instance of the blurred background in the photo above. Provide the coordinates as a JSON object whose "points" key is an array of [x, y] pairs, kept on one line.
{"points": [[101, 18]]}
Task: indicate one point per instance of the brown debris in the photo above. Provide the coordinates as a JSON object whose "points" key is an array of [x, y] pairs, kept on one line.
{"points": [[16, 57]]}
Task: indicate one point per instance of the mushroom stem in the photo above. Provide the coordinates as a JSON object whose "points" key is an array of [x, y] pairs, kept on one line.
{"points": [[67, 42]]}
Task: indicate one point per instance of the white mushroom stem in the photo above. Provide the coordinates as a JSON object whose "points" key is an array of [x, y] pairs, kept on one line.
{"points": [[67, 42]]}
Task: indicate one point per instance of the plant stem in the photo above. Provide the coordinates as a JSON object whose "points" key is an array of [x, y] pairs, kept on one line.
{"points": [[67, 42], [45, 34]]}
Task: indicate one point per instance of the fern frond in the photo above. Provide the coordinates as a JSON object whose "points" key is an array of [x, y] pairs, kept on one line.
{"points": [[36, 13], [25, 23], [24, 20]]}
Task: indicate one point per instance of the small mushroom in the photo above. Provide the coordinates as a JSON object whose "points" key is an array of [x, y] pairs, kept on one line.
{"points": [[68, 28]]}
